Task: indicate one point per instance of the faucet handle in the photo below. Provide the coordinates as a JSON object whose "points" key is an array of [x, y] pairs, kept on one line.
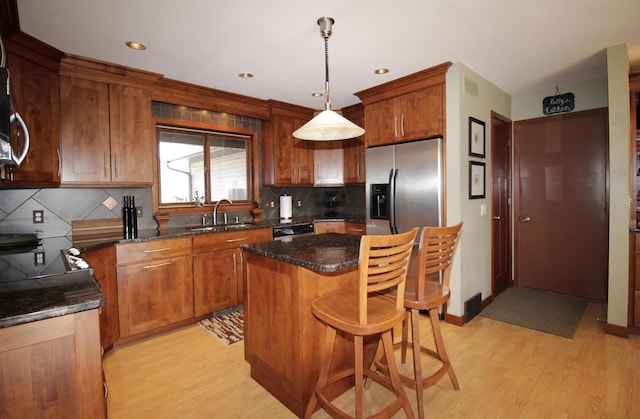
{"points": [[225, 217]]}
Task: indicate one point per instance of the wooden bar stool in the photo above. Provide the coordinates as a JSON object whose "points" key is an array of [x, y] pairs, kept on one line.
{"points": [[367, 311], [435, 256]]}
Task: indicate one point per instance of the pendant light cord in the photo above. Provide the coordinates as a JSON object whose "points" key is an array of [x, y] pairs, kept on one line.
{"points": [[327, 99]]}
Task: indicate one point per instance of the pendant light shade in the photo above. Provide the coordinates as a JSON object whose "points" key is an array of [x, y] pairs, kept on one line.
{"points": [[327, 125]]}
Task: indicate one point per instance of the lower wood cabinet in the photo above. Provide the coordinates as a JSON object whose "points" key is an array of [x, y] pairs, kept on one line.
{"points": [[321, 227], [358, 229], [217, 268], [52, 368], [103, 263], [155, 284]]}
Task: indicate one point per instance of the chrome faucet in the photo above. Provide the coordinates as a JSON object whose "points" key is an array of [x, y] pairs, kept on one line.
{"points": [[215, 211]]}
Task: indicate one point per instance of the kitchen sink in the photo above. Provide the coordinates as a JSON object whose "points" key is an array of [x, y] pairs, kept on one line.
{"points": [[223, 227]]}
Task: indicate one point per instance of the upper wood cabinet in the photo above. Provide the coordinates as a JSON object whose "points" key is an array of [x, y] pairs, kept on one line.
{"points": [[34, 90], [107, 134], [409, 108], [328, 159], [354, 154], [286, 160]]}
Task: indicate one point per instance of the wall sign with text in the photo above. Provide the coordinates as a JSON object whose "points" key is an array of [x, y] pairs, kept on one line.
{"points": [[558, 103]]}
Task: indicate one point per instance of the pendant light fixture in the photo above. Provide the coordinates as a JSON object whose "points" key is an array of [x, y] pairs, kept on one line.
{"points": [[327, 125]]}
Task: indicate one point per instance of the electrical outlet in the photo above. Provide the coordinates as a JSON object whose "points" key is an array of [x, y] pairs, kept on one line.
{"points": [[139, 209], [272, 204], [38, 258], [299, 203], [38, 216]]}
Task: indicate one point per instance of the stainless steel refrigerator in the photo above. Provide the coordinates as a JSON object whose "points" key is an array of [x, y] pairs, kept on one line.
{"points": [[404, 186]]}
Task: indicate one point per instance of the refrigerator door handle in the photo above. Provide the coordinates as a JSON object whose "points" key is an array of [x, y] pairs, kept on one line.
{"points": [[393, 175]]}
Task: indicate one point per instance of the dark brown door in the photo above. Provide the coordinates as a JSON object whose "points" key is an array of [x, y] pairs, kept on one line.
{"points": [[500, 204], [561, 203]]}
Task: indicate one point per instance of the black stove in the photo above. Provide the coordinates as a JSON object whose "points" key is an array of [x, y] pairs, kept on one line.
{"points": [[30, 257]]}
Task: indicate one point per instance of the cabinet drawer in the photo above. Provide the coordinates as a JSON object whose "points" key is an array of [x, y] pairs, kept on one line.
{"points": [[234, 239], [152, 250], [637, 248]]}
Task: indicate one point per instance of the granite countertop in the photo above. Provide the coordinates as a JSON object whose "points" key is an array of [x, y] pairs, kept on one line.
{"points": [[33, 299], [330, 252], [96, 241]]}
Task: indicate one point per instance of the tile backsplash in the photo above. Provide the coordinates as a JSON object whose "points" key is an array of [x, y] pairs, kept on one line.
{"points": [[61, 206]]}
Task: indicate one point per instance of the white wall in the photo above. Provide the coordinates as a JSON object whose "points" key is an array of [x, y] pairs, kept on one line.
{"points": [[619, 190], [591, 94], [469, 94]]}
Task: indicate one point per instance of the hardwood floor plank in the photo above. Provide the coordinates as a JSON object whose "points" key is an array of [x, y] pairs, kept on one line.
{"points": [[505, 371]]}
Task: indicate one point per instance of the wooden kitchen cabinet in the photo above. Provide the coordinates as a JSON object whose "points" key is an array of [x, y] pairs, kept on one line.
{"points": [[358, 229], [103, 263], [34, 91], [286, 160], [106, 133], [52, 368], [321, 227], [409, 108], [354, 150], [329, 163], [155, 284], [217, 268]]}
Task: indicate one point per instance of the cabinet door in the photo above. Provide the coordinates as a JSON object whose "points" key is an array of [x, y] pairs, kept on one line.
{"points": [[84, 128], [154, 294], [303, 162], [357, 229], [329, 163], [354, 162], [380, 123], [328, 227], [215, 280], [283, 149], [103, 263], [36, 96], [131, 135], [421, 113]]}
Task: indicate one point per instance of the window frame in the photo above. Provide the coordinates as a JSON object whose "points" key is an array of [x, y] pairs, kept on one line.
{"points": [[190, 207]]}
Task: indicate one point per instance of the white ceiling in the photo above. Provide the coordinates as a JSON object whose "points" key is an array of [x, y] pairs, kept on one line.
{"points": [[521, 46]]}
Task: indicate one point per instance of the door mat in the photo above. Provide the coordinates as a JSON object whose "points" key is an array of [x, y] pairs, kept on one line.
{"points": [[548, 312], [228, 326]]}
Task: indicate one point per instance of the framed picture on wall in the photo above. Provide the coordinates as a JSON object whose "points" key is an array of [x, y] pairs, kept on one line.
{"points": [[476, 138], [477, 180]]}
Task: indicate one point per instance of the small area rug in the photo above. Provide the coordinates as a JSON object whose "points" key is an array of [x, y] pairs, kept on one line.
{"points": [[548, 312], [227, 326]]}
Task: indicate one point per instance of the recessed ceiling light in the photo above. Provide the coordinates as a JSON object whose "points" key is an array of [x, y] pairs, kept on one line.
{"points": [[317, 94], [135, 45], [245, 75], [381, 70]]}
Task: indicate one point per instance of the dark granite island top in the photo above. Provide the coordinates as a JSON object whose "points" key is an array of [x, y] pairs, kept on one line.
{"points": [[330, 252], [33, 299]]}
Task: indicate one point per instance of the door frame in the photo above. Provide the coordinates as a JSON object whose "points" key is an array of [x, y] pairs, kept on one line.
{"points": [[496, 119]]}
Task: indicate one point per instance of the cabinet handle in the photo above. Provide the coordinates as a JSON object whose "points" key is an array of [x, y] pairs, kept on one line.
{"points": [[115, 159], [395, 126], [106, 390], [163, 249], [156, 266], [234, 264], [59, 162], [104, 163], [402, 125], [236, 240]]}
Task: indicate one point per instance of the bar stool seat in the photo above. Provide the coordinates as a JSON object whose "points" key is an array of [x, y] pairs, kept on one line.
{"points": [[367, 311]]}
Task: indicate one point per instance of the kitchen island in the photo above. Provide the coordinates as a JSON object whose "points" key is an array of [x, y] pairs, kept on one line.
{"points": [[283, 340]]}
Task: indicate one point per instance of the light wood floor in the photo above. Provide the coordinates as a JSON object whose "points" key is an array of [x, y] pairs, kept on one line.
{"points": [[504, 371]]}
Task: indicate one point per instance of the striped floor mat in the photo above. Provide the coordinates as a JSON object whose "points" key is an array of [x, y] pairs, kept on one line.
{"points": [[228, 326]]}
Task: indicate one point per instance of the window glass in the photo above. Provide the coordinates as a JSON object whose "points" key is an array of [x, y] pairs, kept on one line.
{"points": [[185, 158], [182, 169]]}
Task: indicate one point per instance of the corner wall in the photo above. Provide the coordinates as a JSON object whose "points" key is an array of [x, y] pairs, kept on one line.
{"points": [[469, 94]]}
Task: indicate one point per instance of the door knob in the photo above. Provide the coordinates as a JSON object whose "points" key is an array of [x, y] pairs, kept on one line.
{"points": [[525, 219], [497, 217]]}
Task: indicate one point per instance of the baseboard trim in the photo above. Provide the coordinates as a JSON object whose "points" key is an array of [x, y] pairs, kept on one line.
{"points": [[614, 329]]}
